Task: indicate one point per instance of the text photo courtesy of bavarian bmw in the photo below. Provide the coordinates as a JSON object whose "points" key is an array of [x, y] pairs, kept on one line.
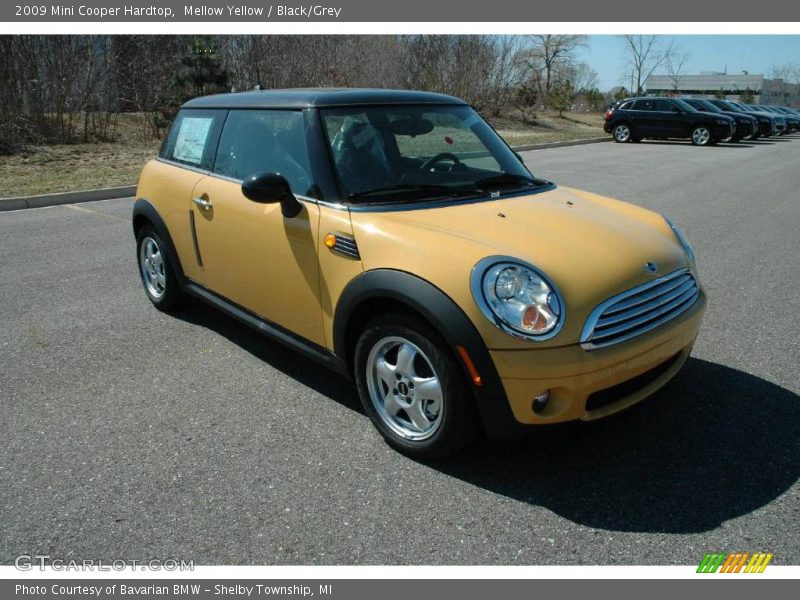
{"points": [[395, 237]]}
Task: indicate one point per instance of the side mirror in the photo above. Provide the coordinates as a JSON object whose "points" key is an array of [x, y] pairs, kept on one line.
{"points": [[271, 188]]}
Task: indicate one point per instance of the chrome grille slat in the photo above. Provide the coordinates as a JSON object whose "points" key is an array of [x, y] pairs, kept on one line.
{"points": [[640, 309], [604, 333], [652, 292]]}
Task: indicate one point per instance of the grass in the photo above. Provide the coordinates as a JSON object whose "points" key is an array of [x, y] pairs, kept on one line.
{"points": [[62, 168], [549, 127]]}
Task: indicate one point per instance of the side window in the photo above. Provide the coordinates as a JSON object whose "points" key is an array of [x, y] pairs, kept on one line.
{"points": [[627, 105], [643, 105], [257, 141], [663, 105], [192, 138]]}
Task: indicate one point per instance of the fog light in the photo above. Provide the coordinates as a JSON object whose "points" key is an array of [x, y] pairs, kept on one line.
{"points": [[540, 401]]}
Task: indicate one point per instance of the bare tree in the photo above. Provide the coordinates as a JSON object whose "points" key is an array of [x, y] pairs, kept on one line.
{"points": [[549, 58], [584, 78], [646, 53], [676, 63]]}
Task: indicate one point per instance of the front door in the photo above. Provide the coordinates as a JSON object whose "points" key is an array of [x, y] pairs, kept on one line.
{"points": [[250, 253], [672, 119]]}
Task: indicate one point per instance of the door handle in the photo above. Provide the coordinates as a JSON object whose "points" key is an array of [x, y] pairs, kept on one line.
{"points": [[202, 203]]}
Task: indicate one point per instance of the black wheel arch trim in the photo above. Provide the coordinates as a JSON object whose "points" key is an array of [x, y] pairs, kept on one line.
{"points": [[450, 322], [143, 209]]}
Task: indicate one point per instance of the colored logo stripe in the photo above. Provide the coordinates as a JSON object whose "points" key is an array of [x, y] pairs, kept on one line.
{"points": [[734, 562]]}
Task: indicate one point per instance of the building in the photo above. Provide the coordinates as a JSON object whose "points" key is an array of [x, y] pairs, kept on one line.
{"points": [[732, 87], [708, 84]]}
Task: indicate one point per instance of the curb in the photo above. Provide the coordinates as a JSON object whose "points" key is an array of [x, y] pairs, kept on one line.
{"points": [[561, 144], [66, 198], [43, 200]]}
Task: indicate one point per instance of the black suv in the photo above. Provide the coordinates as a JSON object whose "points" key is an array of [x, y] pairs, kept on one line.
{"points": [[792, 119], [765, 121], [638, 118], [746, 126]]}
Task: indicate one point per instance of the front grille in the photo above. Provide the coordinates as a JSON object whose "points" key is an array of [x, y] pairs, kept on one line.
{"points": [[640, 310], [602, 398]]}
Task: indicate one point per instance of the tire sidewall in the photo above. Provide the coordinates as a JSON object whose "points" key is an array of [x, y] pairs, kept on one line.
{"points": [[455, 428], [173, 297]]}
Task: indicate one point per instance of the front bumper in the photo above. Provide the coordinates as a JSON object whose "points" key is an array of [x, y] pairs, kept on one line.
{"points": [[744, 129], [588, 385]]}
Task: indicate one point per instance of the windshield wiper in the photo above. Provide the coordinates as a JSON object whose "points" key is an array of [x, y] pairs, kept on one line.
{"points": [[409, 188], [504, 179]]}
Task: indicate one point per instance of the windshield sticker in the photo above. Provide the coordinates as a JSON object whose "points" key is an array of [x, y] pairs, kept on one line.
{"points": [[192, 138]]}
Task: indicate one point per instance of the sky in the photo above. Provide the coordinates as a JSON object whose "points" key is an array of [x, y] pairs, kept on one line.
{"points": [[756, 54]]}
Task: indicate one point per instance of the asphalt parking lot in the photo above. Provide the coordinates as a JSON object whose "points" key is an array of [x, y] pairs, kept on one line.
{"points": [[130, 434]]}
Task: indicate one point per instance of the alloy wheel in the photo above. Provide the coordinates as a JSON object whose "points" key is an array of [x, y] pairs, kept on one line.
{"points": [[404, 388], [701, 136], [151, 263]]}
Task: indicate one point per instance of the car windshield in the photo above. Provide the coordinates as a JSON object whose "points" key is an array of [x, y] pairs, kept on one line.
{"points": [[710, 106], [416, 152], [729, 105], [684, 105]]}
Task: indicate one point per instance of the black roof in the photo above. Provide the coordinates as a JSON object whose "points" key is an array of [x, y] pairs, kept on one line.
{"points": [[314, 97]]}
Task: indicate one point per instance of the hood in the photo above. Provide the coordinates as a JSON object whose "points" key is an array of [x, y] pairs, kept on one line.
{"points": [[589, 246]]}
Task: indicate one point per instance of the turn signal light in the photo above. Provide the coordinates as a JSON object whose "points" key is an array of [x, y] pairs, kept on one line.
{"points": [[473, 372], [330, 240]]}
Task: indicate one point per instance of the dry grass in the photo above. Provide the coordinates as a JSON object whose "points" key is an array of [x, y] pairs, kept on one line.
{"points": [[70, 167], [61, 168], [549, 127]]}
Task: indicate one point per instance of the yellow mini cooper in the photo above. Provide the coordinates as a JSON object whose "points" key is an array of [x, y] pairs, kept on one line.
{"points": [[395, 237]]}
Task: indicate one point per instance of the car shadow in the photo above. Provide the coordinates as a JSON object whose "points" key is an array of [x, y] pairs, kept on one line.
{"points": [[688, 143], [714, 444], [288, 361]]}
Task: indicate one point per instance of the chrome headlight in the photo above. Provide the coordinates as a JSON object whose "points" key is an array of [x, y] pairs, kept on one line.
{"points": [[687, 247], [517, 298]]}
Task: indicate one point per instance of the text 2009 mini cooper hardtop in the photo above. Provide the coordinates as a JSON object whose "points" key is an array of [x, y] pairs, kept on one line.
{"points": [[395, 237]]}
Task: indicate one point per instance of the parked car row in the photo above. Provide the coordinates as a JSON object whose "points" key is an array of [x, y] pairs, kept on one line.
{"points": [[703, 121]]}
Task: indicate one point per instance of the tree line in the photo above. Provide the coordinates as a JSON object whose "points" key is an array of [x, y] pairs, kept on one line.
{"points": [[68, 89]]}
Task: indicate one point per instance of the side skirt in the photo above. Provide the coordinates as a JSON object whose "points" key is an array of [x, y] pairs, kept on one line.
{"points": [[271, 330]]}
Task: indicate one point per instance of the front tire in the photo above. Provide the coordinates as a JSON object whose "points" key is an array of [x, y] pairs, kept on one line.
{"points": [[155, 269], [702, 136], [412, 388]]}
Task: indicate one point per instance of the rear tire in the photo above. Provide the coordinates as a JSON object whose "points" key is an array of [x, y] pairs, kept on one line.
{"points": [[622, 133], [412, 388], [155, 270]]}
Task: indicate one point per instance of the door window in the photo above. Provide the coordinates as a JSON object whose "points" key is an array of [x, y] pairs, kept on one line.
{"points": [[643, 105], [664, 105], [258, 141]]}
